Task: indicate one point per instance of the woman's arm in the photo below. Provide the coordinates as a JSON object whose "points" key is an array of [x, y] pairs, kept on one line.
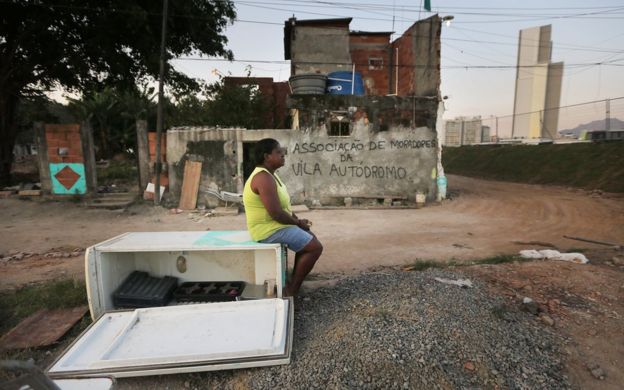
{"points": [[264, 185], [303, 223]]}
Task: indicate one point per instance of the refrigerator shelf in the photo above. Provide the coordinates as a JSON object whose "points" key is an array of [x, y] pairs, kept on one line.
{"points": [[140, 289]]}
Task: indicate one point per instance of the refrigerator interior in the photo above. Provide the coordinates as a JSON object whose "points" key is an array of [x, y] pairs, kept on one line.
{"points": [[108, 266]]}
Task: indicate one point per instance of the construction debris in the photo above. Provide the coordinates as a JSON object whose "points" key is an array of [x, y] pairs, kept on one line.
{"points": [[42, 328], [459, 282], [225, 211], [29, 193], [551, 254]]}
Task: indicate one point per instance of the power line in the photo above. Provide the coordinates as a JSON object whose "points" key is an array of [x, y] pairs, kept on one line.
{"points": [[367, 8], [560, 45], [84, 8], [360, 5], [610, 9], [609, 63], [560, 107]]}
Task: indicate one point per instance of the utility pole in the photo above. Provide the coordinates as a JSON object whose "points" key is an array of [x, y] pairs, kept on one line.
{"points": [[496, 129], [159, 113], [608, 115]]}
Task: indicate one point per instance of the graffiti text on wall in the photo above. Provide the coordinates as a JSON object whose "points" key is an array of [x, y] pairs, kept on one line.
{"points": [[364, 171], [359, 146], [348, 167]]}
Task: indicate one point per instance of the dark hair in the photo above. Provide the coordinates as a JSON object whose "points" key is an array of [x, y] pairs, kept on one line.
{"points": [[262, 147]]}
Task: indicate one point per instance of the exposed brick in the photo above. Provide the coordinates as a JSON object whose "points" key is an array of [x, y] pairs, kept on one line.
{"points": [[364, 46], [164, 179], [75, 147], [52, 144], [72, 158], [55, 136]]}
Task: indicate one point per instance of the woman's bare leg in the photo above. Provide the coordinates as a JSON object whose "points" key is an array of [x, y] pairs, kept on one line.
{"points": [[304, 262]]}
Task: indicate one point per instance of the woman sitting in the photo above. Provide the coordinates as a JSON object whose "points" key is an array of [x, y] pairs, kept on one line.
{"points": [[269, 216]]}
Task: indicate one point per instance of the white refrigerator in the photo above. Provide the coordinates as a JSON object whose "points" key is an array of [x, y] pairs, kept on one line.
{"points": [[253, 331]]}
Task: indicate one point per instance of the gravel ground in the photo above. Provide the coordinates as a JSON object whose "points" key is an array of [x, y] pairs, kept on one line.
{"points": [[401, 330]]}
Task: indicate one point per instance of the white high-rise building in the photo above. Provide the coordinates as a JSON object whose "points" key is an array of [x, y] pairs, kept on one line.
{"points": [[538, 86], [464, 131]]}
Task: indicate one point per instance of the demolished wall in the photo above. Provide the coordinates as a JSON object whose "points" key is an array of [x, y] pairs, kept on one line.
{"points": [[388, 150]]}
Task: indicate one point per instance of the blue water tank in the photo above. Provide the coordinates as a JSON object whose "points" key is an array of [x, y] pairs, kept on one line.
{"points": [[339, 83]]}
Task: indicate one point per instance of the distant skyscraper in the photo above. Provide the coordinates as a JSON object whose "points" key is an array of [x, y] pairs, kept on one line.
{"points": [[538, 86]]}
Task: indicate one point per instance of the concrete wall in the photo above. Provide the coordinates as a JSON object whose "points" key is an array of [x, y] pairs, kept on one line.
{"points": [[416, 58], [320, 49], [367, 163]]}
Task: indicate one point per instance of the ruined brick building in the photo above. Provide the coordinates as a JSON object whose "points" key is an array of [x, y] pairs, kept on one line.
{"points": [[379, 143]]}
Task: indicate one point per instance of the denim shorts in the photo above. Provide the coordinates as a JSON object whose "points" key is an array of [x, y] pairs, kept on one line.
{"points": [[293, 236]]}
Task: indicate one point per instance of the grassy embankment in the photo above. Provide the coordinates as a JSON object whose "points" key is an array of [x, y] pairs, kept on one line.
{"points": [[590, 166]]}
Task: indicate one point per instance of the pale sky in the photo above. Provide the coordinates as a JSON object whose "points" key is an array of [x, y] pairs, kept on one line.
{"points": [[483, 33]]}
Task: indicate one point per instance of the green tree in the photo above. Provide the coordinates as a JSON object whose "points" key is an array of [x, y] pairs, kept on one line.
{"points": [[81, 44], [238, 105], [113, 114], [100, 108], [223, 103]]}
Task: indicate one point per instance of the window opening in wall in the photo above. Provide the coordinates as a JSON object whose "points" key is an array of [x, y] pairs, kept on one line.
{"points": [[339, 125], [375, 63]]}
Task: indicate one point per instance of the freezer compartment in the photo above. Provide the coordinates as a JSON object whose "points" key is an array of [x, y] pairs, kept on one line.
{"points": [[142, 290], [177, 339], [186, 256], [209, 291]]}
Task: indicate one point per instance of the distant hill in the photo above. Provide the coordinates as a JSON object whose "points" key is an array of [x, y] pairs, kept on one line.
{"points": [[595, 125]]}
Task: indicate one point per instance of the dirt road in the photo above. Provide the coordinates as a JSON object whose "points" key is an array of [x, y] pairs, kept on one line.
{"points": [[482, 219]]}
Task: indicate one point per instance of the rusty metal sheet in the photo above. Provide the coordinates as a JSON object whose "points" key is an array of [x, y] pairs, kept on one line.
{"points": [[42, 328]]}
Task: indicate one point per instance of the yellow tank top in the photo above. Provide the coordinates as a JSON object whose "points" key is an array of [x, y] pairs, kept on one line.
{"points": [[259, 222]]}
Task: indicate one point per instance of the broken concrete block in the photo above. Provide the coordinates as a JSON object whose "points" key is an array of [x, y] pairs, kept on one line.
{"points": [[223, 211], [29, 193]]}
